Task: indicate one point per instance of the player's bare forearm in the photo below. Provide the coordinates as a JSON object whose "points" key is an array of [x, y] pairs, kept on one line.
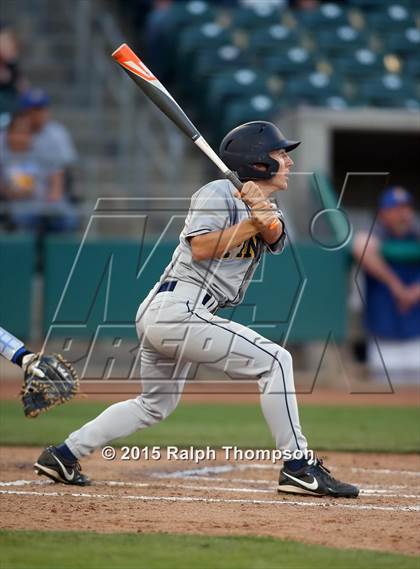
{"points": [[378, 268], [56, 186], [272, 235], [373, 263], [215, 244]]}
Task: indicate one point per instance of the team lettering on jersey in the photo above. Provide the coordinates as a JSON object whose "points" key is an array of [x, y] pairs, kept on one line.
{"points": [[247, 250]]}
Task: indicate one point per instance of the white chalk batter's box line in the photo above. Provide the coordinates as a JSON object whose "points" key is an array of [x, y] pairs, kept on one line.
{"points": [[143, 498], [269, 483], [368, 488], [201, 473], [204, 470], [368, 492]]}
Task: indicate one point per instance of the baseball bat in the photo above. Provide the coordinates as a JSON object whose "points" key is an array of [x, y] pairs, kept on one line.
{"points": [[156, 92]]}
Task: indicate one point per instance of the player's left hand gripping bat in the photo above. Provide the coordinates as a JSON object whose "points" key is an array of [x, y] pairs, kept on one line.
{"points": [[154, 89]]}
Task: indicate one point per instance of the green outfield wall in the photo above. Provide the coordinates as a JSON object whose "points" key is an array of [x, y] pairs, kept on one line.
{"points": [[299, 295], [17, 262]]}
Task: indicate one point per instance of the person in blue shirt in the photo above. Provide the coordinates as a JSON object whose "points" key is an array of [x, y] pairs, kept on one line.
{"points": [[31, 187], [390, 258], [51, 140]]}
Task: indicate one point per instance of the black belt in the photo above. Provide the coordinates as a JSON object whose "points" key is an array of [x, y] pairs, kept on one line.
{"points": [[169, 286]]}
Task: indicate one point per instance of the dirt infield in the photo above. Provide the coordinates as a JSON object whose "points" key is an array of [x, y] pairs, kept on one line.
{"points": [[219, 497]]}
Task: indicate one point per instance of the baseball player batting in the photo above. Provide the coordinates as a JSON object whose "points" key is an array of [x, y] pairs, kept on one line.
{"points": [[222, 242]]}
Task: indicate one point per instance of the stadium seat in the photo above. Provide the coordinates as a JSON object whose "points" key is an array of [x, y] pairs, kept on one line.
{"points": [[367, 5], [293, 61], [211, 62], [249, 18], [243, 82], [334, 102], [267, 41], [263, 63], [314, 87], [185, 54], [396, 102], [327, 15], [246, 109], [390, 18], [412, 67], [405, 41], [340, 39], [182, 14], [359, 63], [205, 36], [389, 90]]}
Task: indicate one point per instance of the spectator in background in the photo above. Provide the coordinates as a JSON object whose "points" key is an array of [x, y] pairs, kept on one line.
{"points": [[31, 187], [258, 3], [390, 258], [51, 140], [10, 79]]}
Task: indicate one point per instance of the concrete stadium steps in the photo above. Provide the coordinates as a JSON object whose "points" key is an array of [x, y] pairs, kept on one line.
{"points": [[89, 136], [41, 70], [49, 60]]}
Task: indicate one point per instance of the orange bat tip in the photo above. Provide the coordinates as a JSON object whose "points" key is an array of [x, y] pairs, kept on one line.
{"points": [[124, 52], [122, 46], [126, 57]]}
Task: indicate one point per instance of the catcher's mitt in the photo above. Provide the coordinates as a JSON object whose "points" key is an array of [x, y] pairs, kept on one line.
{"points": [[49, 381]]}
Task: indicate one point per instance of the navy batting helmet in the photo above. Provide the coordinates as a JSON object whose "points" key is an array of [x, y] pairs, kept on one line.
{"points": [[250, 144]]}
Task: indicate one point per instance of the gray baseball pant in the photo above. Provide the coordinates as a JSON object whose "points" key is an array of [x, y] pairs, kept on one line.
{"points": [[178, 331]]}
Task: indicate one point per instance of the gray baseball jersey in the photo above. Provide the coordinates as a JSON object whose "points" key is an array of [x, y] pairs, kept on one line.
{"points": [[213, 208], [179, 333]]}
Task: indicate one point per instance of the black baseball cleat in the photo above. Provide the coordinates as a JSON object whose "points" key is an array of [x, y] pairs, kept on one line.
{"points": [[59, 469], [316, 480]]}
